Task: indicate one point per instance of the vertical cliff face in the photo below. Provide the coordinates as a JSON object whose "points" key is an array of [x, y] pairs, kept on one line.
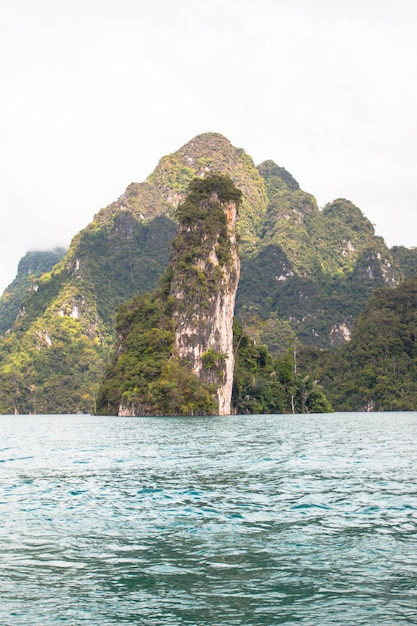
{"points": [[175, 349], [205, 276]]}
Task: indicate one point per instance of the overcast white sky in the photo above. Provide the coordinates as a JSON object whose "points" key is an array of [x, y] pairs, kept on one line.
{"points": [[94, 92]]}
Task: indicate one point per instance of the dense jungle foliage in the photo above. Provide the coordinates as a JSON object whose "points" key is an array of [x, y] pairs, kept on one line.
{"points": [[143, 373], [211, 153], [312, 269], [54, 357], [377, 369], [204, 228], [263, 384]]}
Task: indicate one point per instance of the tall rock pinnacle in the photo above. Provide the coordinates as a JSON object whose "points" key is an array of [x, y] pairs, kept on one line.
{"points": [[205, 276]]}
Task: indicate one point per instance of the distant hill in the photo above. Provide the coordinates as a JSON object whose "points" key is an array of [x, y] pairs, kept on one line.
{"points": [[377, 369], [30, 269]]}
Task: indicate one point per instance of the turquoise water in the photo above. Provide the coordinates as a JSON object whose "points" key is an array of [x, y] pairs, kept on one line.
{"points": [[255, 520]]}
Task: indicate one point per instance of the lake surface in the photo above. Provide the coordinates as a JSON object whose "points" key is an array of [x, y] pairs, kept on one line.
{"points": [[254, 520]]}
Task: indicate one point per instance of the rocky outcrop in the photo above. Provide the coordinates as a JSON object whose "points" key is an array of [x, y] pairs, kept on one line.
{"points": [[175, 345], [206, 298], [207, 154]]}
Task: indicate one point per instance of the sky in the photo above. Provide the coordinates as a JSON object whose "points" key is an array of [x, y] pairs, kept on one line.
{"points": [[95, 92]]}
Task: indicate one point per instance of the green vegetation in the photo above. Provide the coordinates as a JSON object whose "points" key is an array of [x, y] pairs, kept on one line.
{"points": [[53, 358], [122, 258], [145, 375], [313, 270], [377, 369], [146, 378], [211, 153], [143, 372], [204, 230], [277, 178], [406, 260], [52, 368], [266, 385]]}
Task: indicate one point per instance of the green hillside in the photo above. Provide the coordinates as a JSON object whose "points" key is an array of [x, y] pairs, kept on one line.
{"points": [[377, 369], [30, 269], [54, 357], [313, 269]]}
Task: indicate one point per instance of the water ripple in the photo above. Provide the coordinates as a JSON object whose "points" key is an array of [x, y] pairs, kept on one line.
{"points": [[258, 520]]}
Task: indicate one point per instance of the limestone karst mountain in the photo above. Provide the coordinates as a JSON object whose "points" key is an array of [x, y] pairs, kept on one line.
{"points": [[206, 289], [313, 270], [305, 273], [182, 335], [53, 358]]}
